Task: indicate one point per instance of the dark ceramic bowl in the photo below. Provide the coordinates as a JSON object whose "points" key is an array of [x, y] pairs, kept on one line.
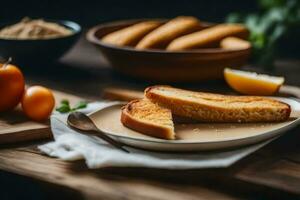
{"points": [[39, 50], [162, 65]]}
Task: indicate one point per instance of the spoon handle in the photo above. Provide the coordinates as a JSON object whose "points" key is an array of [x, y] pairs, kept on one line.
{"points": [[76, 121], [109, 140]]}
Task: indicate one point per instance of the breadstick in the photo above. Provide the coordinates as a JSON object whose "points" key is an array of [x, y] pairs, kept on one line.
{"points": [[209, 37], [162, 36], [131, 35], [234, 43]]}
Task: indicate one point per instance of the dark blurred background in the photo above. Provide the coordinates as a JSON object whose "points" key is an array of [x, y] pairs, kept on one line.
{"points": [[89, 13]]}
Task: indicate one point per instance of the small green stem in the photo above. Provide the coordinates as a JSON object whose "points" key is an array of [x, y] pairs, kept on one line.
{"points": [[7, 62]]}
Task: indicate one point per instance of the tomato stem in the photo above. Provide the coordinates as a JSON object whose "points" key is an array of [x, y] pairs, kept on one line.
{"points": [[7, 62]]}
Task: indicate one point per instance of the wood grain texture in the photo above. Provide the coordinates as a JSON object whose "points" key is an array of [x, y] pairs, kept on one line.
{"points": [[277, 166], [16, 127], [134, 183], [122, 94], [281, 174], [98, 184]]}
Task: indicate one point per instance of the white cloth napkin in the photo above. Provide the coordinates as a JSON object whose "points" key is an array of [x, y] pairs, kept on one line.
{"points": [[71, 145]]}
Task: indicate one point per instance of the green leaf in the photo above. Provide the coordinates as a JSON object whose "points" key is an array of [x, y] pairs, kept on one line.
{"points": [[271, 3], [233, 18], [80, 105], [258, 40], [63, 108], [274, 19], [65, 102]]}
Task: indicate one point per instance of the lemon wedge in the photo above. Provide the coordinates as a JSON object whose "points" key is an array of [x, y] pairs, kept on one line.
{"points": [[252, 83]]}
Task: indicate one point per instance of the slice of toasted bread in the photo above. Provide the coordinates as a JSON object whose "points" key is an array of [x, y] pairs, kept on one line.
{"points": [[149, 118], [209, 107]]}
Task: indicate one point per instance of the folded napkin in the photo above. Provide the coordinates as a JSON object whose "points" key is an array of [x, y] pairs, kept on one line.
{"points": [[72, 145]]}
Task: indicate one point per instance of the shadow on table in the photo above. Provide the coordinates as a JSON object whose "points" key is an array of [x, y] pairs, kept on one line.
{"points": [[15, 187]]}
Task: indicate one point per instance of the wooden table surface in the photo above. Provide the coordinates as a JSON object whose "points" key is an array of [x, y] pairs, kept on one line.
{"points": [[273, 172]]}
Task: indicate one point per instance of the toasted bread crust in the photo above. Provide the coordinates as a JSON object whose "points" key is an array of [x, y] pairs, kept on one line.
{"points": [[163, 35], [150, 129], [129, 36], [209, 107], [208, 37], [234, 43]]}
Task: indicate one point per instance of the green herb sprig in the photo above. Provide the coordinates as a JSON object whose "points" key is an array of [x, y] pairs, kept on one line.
{"points": [[274, 19], [65, 107]]}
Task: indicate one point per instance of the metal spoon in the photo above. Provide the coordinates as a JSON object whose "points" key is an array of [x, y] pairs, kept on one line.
{"points": [[83, 123]]}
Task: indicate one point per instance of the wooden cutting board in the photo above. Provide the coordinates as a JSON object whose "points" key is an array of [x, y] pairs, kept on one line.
{"points": [[16, 127]]}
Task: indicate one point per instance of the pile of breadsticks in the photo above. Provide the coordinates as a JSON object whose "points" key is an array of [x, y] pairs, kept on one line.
{"points": [[179, 34]]}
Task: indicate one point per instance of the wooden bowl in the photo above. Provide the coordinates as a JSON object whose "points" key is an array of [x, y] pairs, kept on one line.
{"points": [[162, 65]]}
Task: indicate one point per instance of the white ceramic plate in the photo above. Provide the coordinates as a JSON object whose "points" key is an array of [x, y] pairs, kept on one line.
{"points": [[196, 137]]}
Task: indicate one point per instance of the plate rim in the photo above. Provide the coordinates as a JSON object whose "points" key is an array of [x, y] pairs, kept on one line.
{"points": [[157, 140], [290, 125]]}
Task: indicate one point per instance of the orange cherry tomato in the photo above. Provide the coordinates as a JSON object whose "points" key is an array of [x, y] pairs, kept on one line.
{"points": [[38, 103], [11, 86]]}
